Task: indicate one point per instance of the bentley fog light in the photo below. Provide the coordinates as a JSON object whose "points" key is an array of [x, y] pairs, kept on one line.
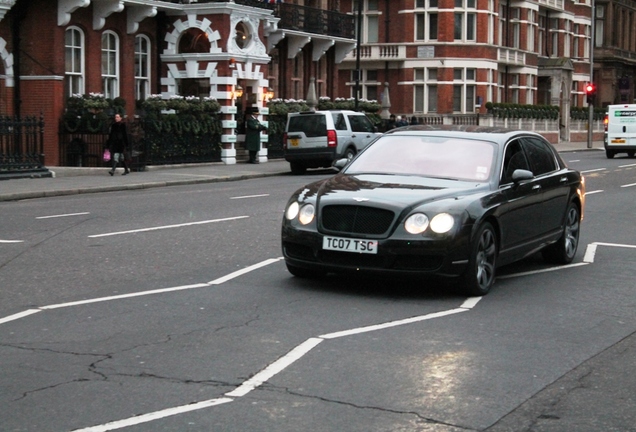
{"points": [[416, 223]]}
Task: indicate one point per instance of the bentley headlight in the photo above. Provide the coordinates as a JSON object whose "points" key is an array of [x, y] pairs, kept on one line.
{"points": [[442, 223], [416, 223], [307, 213], [292, 211]]}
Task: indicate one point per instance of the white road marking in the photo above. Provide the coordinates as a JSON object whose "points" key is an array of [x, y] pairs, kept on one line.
{"points": [[19, 315], [593, 192], [628, 185], [250, 196], [62, 215], [626, 166], [292, 356], [593, 170], [274, 368], [510, 276], [168, 227], [144, 418], [11, 241]]}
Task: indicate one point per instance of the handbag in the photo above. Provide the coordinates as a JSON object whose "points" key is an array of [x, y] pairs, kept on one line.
{"points": [[106, 155]]}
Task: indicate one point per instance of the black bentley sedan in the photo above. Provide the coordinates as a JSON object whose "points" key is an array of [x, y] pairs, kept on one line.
{"points": [[456, 201]]}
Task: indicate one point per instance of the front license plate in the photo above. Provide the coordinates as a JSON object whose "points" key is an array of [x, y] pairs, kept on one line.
{"points": [[350, 245], [294, 142]]}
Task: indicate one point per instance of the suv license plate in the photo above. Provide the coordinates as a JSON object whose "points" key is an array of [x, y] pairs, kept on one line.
{"points": [[294, 142], [350, 245]]}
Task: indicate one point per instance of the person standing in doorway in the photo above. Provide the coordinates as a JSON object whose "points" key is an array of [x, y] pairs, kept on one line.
{"points": [[253, 129], [118, 144]]}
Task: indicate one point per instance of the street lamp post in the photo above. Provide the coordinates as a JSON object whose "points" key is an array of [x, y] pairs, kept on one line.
{"points": [[590, 119], [359, 39]]}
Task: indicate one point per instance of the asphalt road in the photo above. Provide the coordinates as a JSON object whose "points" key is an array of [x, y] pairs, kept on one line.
{"points": [[170, 310]]}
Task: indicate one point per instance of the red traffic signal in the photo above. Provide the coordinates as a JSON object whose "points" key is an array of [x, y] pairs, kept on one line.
{"points": [[590, 92]]}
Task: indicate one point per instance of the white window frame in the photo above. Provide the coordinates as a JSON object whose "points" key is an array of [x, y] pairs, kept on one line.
{"points": [[74, 74], [423, 23], [110, 64], [425, 90], [142, 75], [467, 14], [464, 90]]}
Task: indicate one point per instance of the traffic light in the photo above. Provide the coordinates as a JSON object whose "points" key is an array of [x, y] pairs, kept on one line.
{"points": [[590, 92]]}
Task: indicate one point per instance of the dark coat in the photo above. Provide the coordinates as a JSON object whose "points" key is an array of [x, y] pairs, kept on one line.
{"points": [[253, 130], [117, 137]]}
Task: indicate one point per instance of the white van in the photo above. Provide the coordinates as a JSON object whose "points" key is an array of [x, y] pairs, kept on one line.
{"points": [[621, 130]]}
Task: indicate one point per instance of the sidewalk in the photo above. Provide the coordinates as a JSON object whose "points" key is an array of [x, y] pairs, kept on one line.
{"points": [[71, 181]]}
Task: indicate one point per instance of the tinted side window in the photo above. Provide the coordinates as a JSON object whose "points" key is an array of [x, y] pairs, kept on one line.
{"points": [[311, 125], [514, 159], [360, 123], [339, 121], [540, 156]]}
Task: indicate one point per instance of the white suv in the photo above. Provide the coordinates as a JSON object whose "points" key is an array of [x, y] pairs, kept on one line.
{"points": [[315, 139]]}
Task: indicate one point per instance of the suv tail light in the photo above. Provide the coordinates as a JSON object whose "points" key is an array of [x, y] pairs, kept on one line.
{"points": [[285, 141], [605, 122], [332, 138]]}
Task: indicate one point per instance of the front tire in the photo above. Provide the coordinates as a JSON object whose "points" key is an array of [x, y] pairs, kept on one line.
{"points": [[563, 251], [609, 154], [480, 274]]}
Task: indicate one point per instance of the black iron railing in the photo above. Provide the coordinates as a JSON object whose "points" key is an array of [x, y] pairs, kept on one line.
{"points": [[153, 142], [21, 144], [302, 18]]}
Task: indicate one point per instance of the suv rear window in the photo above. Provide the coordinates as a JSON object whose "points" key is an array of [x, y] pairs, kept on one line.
{"points": [[311, 125]]}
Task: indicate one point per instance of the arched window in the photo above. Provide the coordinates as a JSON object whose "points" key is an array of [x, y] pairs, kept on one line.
{"points": [[194, 40], [110, 64], [73, 61], [142, 67]]}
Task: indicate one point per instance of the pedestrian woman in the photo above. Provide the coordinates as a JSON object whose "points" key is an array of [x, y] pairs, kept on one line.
{"points": [[118, 144], [253, 130]]}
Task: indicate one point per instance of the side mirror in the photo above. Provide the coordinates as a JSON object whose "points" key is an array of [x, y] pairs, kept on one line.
{"points": [[520, 175]]}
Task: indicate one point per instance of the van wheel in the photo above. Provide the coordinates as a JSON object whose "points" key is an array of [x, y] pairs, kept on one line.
{"points": [[609, 154], [297, 168], [350, 153], [630, 153]]}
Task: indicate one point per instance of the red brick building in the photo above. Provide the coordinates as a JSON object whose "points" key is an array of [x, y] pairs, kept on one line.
{"points": [[432, 57], [232, 51], [453, 56]]}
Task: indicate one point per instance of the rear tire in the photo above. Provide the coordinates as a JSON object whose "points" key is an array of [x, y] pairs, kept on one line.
{"points": [[563, 251], [304, 273], [480, 274], [297, 169], [630, 153], [609, 154], [349, 154]]}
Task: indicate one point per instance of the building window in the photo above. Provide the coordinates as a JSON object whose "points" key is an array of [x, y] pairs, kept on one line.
{"points": [[425, 90], [599, 24], [370, 85], [465, 21], [426, 21], [110, 65], [74, 61], [142, 67], [554, 35], [370, 20], [464, 90]]}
